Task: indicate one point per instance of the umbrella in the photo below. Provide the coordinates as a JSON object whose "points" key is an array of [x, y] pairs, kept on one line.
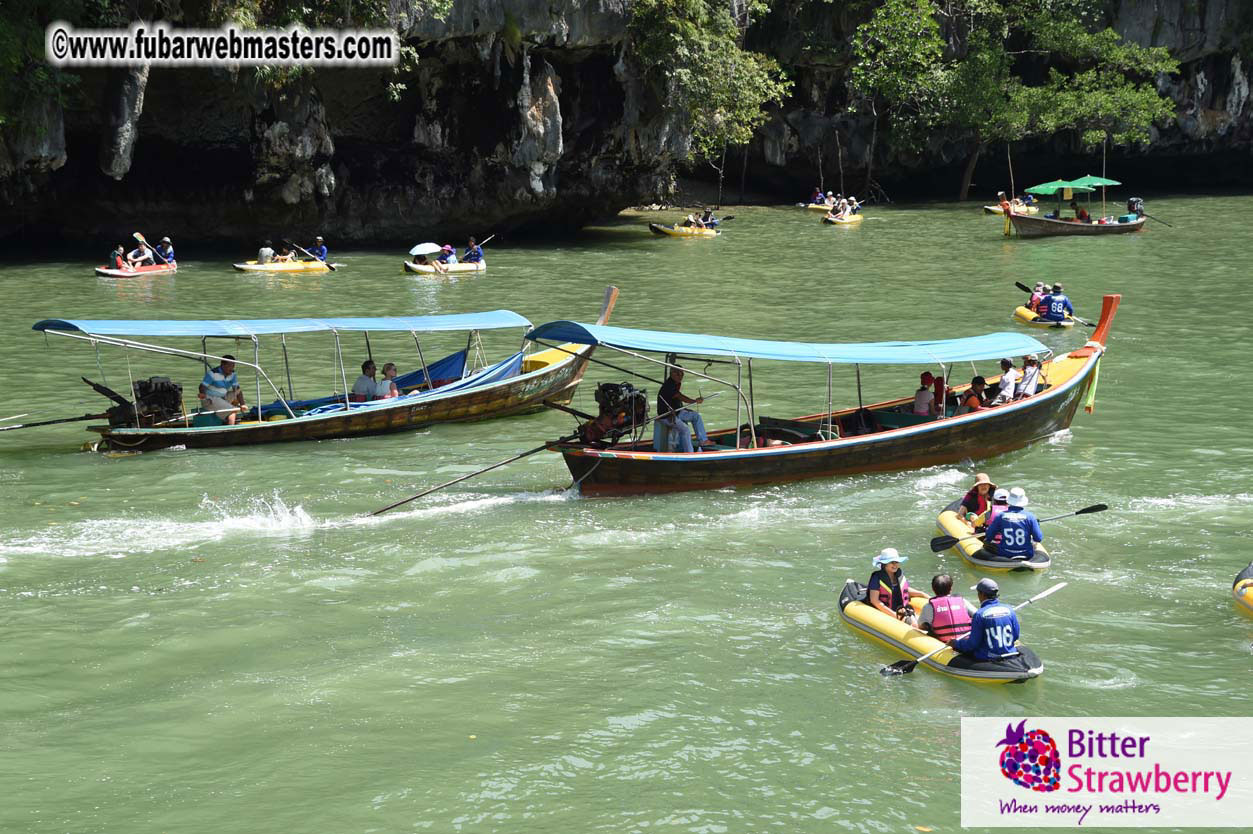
{"points": [[1057, 186], [425, 249], [1091, 180]]}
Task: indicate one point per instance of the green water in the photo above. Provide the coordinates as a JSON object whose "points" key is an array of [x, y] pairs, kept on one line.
{"points": [[206, 641]]}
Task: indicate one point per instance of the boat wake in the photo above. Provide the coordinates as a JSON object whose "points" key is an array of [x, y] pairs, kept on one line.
{"points": [[459, 503]]}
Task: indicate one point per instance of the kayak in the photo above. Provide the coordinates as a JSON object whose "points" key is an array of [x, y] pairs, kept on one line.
{"points": [[911, 643], [951, 523], [1024, 315], [450, 269], [1242, 589], [1019, 210], [137, 272], [851, 220], [823, 207], [681, 231], [284, 266]]}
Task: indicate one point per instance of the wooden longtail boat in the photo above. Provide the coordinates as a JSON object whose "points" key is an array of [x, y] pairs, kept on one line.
{"points": [[518, 384], [831, 443], [1026, 226], [449, 269]]}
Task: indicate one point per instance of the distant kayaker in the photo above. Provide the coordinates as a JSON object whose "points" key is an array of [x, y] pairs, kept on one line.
{"points": [[1017, 528], [830, 199], [1057, 305], [473, 253], [140, 255], [117, 259], [888, 590], [854, 207], [220, 393], [1006, 206], [816, 197], [318, 249], [1030, 376], [993, 627], [1037, 296], [166, 250], [266, 253], [975, 398], [1009, 383], [707, 218], [979, 498], [946, 616]]}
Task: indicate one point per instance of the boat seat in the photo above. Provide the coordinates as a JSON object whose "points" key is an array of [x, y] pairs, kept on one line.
{"points": [[899, 420]]}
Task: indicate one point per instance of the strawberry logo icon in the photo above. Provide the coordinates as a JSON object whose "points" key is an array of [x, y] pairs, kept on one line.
{"points": [[1030, 758]]}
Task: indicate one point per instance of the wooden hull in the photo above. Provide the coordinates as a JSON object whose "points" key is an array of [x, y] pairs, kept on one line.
{"points": [[519, 395], [138, 272], [450, 269], [681, 231], [635, 469], [1027, 226], [1023, 315], [1021, 210], [847, 221], [284, 266]]}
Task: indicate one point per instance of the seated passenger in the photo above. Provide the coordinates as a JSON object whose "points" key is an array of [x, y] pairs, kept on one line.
{"points": [[363, 389], [979, 498], [1009, 383], [1081, 214], [117, 259], [220, 393], [888, 589], [1058, 306], [447, 255], [946, 616], [974, 398], [1000, 503], [672, 415], [993, 628], [1037, 295], [707, 218], [1017, 528], [140, 256], [841, 211], [266, 253], [1030, 376], [420, 260], [165, 250], [830, 199], [284, 255], [386, 388], [854, 207], [924, 397], [816, 197]]}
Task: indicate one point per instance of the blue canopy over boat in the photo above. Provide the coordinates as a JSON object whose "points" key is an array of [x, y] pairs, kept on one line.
{"points": [[248, 328], [991, 346]]}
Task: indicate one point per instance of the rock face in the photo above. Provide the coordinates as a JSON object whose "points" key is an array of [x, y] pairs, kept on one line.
{"points": [[518, 113]]}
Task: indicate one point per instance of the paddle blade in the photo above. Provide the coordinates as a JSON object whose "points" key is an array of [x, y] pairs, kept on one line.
{"points": [[139, 237], [1095, 508], [900, 667], [942, 543], [1022, 287]]}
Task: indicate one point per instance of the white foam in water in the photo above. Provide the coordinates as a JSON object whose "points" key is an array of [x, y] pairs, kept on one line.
{"points": [[115, 537], [944, 477], [1209, 502], [465, 505], [1063, 436]]}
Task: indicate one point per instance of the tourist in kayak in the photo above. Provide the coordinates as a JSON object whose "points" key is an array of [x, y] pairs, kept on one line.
{"points": [[945, 616], [1030, 376], [888, 590], [854, 207], [386, 388], [993, 627], [1000, 503], [671, 399], [266, 253], [979, 498], [364, 387], [707, 218], [1057, 305], [318, 249], [220, 393], [1009, 383], [166, 250], [924, 397], [816, 197], [975, 397], [1017, 528], [1037, 296], [140, 255], [117, 259], [447, 255], [473, 253], [284, 255]]}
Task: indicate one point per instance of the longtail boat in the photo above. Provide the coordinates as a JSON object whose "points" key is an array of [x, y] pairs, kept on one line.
{"points": [[1043, 226], [446, 390], [880, 437]]}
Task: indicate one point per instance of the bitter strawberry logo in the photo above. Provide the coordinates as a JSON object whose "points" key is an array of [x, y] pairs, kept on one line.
{"points": [[1030, 758]]}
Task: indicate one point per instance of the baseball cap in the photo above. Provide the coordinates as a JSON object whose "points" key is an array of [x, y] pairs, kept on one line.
{"points": [[988, 587]]}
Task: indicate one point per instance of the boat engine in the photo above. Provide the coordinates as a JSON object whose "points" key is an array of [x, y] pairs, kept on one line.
{"points": [[157, 399], [623, 408], [1135, 206]]}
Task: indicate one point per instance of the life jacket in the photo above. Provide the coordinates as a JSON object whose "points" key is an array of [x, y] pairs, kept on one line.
{"points": [[981, 502], [951, 619], [993, 511], [885, 589], [118, 261]]}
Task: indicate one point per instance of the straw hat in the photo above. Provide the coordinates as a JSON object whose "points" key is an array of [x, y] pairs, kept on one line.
{"points": [[982, 478]]}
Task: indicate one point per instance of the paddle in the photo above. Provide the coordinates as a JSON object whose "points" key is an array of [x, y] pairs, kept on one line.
{"points": [[904, 667], [945, 542], [1029, 291], [329, 265], [139, 237], [527, 453], [51, 422], [1163, 222]]}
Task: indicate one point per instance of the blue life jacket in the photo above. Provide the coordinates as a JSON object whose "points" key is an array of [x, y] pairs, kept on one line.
{"points": [[1018, 529], [993, 632], [473, 255]]}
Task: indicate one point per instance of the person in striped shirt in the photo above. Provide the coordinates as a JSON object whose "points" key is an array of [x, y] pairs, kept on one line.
{"points": [[220, 393]]}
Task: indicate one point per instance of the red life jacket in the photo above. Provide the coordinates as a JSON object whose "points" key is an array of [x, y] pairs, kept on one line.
{"points": [[951, 619], [118, 262], [885, 590], [981, 502]]}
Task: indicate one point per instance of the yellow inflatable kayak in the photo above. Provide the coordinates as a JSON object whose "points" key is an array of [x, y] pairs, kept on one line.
{"points": [[851, 220], [951, 523], [822, 207], [681, 231], [911, 643], [1024, 315], [450, 269], [1242, 590], [285, 266], [1019, 210]]}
